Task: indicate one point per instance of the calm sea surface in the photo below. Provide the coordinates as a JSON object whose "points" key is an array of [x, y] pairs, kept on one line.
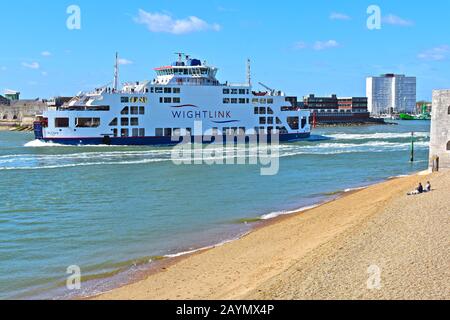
{"points": [[110, 210]]}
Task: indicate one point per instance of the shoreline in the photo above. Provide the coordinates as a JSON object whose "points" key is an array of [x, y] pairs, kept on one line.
{"points": [[172, 262]]}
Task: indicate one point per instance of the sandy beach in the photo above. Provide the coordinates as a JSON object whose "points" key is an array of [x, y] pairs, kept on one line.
{"points": [[329, 252]]}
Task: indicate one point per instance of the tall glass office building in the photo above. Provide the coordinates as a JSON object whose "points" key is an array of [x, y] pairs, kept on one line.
{"points": [[391, 93]]}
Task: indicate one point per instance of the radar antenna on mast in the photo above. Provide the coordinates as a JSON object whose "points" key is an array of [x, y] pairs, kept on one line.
{"points": [[180, 56]]}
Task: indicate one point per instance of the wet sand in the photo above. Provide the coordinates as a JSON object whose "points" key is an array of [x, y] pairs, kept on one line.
{"points": [[334, 251]]}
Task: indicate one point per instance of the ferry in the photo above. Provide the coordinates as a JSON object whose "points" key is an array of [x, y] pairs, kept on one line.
{"points": [[154, 112]]}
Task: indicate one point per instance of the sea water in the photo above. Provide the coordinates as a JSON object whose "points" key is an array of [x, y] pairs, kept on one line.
{"points": [[112, 211]]}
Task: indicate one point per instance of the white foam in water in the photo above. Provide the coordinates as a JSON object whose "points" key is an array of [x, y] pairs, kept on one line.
{"points": [[41, 144], [184, 253], [380, 136], [283, 213]]}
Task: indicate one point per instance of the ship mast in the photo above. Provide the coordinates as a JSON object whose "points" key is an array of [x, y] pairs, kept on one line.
{"points": [[249, 73], [116, 73]]}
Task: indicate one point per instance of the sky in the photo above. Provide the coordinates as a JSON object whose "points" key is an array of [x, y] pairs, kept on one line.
{"points": [[299, 47]]}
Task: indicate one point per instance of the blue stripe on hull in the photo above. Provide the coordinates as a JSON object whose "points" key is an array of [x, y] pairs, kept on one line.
{"points": [[146, 141]]}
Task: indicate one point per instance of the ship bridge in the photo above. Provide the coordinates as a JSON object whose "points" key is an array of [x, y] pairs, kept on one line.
{"points": [[187, 71]]}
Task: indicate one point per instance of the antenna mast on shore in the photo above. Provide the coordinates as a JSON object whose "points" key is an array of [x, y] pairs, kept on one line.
{"points": [[116, 73]]}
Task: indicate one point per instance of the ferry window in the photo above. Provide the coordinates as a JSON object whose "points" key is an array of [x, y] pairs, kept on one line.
{"points": [[262, 120], [61, 122], [115, 132], [248, 91], [158, 90], [263, 101], [124, 133], [161, 100], [262, 110], [135, 132], [234, 91], [234, 100], [247, 100], [256, 110], [303, 122], [141, 110], [242, 101], [225, 130], [176, 90], [146, 90], [143, 99], [241, 91], [134, 110], [142, 132], [270, 120], [167, 100], [242, 130], [134, 99], [124, 99], [125, 110], [255, 100], [167, 90], [98, 108], [448, 110], [159, 132], [226, 100], [134, 121], [168, 132], [269, 111], [124, 122], [87, 122], [293, 122], [270, 101], [279, 121], [448, 146], [113, 123], [176, 100]]}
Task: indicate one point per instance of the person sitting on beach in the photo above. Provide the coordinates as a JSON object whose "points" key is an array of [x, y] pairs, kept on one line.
{"points": [[428, 187], [419, 190]]}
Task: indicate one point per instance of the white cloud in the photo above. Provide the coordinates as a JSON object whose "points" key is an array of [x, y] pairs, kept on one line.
{"points": [[300, 45], [122, 61], [44, 73], [158, 22], [435, 54], [322, 45], [397, 21], [46, 53], [33, 65], [339, 16]]}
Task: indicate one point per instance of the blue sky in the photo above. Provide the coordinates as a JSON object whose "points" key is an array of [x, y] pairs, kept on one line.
{"points": [[300, 47]]}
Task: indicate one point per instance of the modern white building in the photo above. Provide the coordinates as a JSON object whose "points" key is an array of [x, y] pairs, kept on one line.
{"points": [[391, 93]]}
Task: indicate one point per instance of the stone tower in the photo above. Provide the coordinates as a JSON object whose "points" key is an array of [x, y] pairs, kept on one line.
{"points": [[440, 129]]}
